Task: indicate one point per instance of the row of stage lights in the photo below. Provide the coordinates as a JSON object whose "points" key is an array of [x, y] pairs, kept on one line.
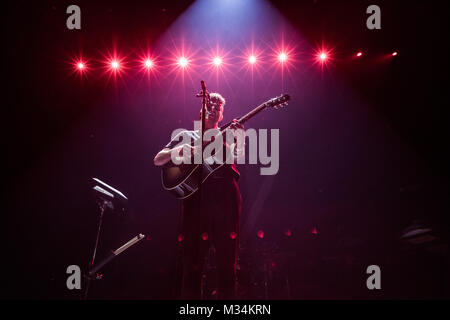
{"points": [[115, 64], [260, 234]]}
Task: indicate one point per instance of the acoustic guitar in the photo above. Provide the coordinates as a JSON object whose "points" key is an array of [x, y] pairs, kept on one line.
{"points": [[182, 180]]}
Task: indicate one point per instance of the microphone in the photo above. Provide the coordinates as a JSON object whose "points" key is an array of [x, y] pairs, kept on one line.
{"points": [[204, 94]]}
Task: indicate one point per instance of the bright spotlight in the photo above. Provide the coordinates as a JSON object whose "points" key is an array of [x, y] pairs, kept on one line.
{"points": [[148, 63], [115, 64], [323, 56], [80, 66], [252, 59], [394, 53], [359, 54], [183, 62], [217, 61], [282, 57]]}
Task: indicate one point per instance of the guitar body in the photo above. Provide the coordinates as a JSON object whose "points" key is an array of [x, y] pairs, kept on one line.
{"points": [[182, 180]]}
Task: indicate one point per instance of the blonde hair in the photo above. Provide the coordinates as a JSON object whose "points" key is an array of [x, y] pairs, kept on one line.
{"points": [[215, 98]]}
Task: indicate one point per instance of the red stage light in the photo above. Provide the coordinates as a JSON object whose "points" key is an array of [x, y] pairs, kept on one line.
{"points": [[323, 56], [252, 59], [217, 61], [148, 63], [314, 230], [205, 236], [288, 232], [180, 238], [183, 62], [394, 53], [233, 235], [282, 57], [260, 234], [115, 64], [359, 54], [80, 65]]}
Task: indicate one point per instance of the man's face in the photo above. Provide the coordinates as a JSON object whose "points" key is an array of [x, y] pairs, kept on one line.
{"points": [[215, 112]]}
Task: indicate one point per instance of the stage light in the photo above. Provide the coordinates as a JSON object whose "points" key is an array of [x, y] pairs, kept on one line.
{"points": [[359, 54], [205, 236], [288, 232], [183, 62], [217, 61], [252, 59], [323, 56], [80, 67], [282, 57], [233, 235], [115, 64], [148, 63], [394, 53], [260, 234], [180, 238]]}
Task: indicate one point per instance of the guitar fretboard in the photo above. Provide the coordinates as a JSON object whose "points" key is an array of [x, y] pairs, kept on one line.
{"points": [[246, 117]]}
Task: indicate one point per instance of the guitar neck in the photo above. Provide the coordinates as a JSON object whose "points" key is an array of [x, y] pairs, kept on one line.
{"points": [[246, 117]]}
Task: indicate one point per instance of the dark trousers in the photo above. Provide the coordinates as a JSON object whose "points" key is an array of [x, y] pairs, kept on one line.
{"points": [[217, 223]]}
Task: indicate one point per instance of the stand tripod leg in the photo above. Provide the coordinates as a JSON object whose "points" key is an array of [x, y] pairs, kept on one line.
{"points": [[102, 207]]}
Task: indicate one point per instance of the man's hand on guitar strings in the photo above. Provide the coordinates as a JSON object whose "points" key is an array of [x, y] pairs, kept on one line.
{"points": [[239, 140], [236, 125]]}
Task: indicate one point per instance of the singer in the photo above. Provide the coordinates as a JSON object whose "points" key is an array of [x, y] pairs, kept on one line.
{"points": [[216, 222]]}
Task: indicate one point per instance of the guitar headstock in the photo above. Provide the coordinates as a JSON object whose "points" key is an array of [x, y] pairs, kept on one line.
{"points": [[278, 102]]}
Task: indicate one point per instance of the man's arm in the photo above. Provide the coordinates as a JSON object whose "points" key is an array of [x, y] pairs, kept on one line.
{"points": [[165, 154]]}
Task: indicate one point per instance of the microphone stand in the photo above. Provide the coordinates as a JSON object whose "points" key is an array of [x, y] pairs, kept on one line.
{"points": [[205, 98]]}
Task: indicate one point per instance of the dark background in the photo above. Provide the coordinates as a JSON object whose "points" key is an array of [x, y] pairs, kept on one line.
{"points": [[358, 167]]}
